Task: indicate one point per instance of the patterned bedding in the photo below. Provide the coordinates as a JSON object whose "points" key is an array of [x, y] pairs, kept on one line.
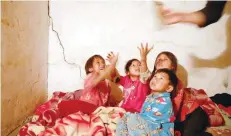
{"points": [[64, 115]]}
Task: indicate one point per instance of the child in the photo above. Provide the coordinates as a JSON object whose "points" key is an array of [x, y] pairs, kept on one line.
{"points": [[96, 86], [192, 107], [155, 119], [167, 60], [134, 91]]}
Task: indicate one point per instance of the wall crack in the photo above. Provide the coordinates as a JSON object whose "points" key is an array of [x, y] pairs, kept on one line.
{"points": [[61, 44]]}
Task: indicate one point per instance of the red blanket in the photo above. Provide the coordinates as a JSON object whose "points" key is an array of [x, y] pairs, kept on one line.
{"points": [[193, 98], [63, 116]]}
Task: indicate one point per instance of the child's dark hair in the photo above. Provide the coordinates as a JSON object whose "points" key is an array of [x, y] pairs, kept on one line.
{"points": [[172, 58], [172, 79], [89, 63], [128, 64]]}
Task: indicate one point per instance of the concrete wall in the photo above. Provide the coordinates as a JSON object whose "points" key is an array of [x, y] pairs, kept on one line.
{"points": [[24, 60], [87, 28]]}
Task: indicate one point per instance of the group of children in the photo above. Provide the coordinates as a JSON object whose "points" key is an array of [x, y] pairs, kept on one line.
{"points": [[146, 95], [156, 102]]}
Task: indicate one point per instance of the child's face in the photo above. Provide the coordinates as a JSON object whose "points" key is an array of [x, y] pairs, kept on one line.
{"points": [[98, 65], [134, 69], [163, 62], [160, 83]]}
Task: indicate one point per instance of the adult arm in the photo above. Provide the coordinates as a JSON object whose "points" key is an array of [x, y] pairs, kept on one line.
{"points": [[211, 13]]}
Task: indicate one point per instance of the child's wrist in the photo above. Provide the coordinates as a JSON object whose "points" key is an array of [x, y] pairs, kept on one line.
{"points": [[113, 64], [143, 57]]}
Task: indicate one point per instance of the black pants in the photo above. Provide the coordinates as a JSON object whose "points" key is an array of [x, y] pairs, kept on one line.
{"points": [[195, 124], [223, 99]]}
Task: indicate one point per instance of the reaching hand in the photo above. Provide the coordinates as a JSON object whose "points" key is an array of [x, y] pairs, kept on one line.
{"points": [[144, 51], [112, 58], [170, 17]]}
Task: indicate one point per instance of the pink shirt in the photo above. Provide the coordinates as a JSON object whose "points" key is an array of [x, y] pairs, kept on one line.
{"points": [[95, 94], [134, 93]]}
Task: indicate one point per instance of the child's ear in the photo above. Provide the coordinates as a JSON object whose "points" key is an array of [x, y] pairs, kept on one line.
{"points": [[169, 89], [90, 69]]}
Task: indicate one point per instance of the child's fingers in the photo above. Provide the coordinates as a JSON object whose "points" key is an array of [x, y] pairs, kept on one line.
{"points": [[111, 54], [139, 48], [151, 48], [108, 55], [146, 46], [117, 54], [142, 47]]}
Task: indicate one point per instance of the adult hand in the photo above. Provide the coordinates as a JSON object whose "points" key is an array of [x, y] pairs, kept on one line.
{"points": [[171, 17]]}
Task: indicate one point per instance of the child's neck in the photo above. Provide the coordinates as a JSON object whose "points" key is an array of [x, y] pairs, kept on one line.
{"points": [[156, 92], [134, 78]]}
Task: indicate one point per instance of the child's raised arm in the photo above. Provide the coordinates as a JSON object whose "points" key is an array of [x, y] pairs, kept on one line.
{"points": [[143, 56], [145, 73], [109, 68], [114, 74]]}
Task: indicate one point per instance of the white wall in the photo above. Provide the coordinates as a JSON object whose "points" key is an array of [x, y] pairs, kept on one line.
{"points": [[88, 28]]}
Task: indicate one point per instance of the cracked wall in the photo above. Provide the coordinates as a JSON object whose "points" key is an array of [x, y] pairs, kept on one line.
{"points": [[87, 28], [24, 60]]}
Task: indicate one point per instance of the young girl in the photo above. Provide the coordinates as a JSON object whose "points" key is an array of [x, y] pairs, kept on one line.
{"points": [[167, 60], [155, 119], [96, 86], [134, 91]]}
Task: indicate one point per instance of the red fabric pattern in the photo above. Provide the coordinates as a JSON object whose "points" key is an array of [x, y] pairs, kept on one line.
{"points": [[194, 98], [227, 110], [178, 99], [63, 115], [72, 106], [99, 123]]}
